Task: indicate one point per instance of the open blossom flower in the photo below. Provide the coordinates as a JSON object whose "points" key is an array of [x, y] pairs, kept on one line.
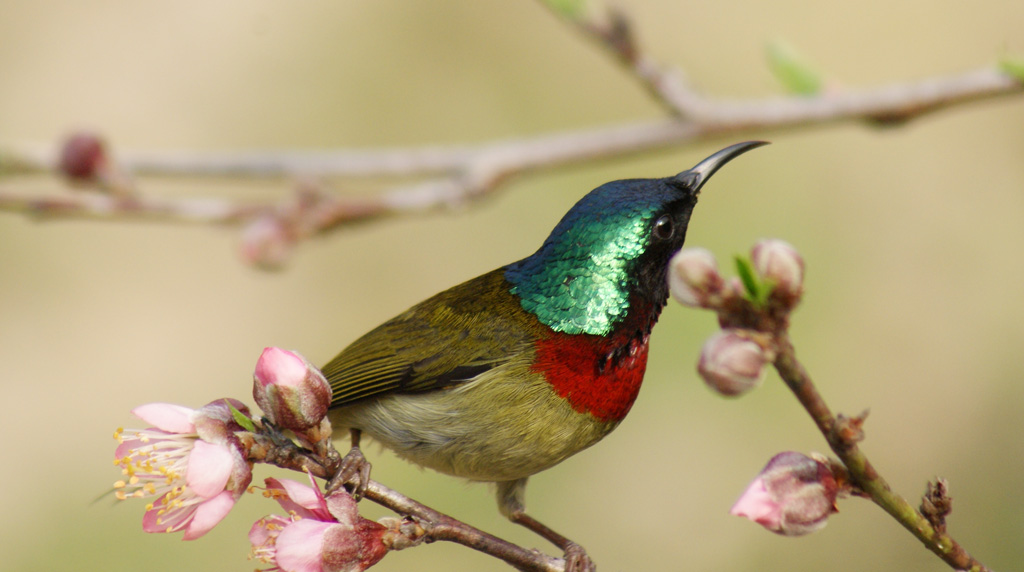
{"points": [[319, 535], [190, 462]]}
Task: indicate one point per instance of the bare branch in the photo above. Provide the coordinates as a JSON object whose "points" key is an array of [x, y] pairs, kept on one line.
{"points": [[707, 118], [862, 472]]}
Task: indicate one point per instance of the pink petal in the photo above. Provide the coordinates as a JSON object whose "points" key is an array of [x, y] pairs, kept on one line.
{"points": [[167, 416], [261, 532], [304, 500], [208, 514], [131, 444], [757, 504], [300, 546], [209, 467], [279, 366], [343, 507], [150, 518]]}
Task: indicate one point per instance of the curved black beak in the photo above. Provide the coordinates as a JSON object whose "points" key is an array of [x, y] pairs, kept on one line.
{"points": [[695, 178]]}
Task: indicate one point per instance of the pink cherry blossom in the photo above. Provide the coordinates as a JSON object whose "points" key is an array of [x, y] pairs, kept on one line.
{"points": [[190, 462], [319, 535]]}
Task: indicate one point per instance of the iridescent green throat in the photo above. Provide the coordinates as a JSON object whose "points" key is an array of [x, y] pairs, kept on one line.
{"points": [[580, 280]]}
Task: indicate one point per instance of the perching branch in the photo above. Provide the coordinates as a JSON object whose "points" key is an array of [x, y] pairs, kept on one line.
{"points": [[269, 447]]}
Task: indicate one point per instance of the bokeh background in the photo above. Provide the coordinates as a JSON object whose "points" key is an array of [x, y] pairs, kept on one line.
{"points": [[912, 237]]}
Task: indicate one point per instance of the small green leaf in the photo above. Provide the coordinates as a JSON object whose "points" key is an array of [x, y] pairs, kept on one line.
{"points": [[572, 9], [791, 69], [240, 418], [750, 282], [1013, 66]]}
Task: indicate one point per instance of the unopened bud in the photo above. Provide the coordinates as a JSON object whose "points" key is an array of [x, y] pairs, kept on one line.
{"points": [[778, 262], [291, 392], [266, 243], [793, 495], [83, 157], [731, 364], [693, 277]]}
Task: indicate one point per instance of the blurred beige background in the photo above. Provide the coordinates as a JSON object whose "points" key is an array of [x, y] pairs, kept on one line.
{"points": [[912, 238]]}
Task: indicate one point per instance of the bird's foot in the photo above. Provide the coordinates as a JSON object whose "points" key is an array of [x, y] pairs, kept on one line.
{"points": [[576, 559], [354, 471]]}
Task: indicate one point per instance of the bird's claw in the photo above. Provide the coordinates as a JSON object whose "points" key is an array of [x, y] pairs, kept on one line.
{"points": [[354, 471], [576, 559]]}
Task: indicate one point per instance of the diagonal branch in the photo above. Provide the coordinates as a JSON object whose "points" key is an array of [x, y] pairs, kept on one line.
{"points": [[860, 468]]}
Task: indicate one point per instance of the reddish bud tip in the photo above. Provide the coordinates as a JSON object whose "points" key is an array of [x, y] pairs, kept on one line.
{"points": [[83, 157], [793, 495], [731, 364], [291, 392], [780, 263], [693, 278]]}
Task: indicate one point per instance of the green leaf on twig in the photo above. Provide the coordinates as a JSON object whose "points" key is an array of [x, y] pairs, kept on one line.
{"points": [[792, 70], [241, 418], [757, 289], [1013, 66], [572, 9]]}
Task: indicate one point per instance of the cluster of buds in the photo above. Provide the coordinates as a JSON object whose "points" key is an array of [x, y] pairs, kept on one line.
{"points": [[323, 533], [733, 360], [694, 279], [793, 495]]}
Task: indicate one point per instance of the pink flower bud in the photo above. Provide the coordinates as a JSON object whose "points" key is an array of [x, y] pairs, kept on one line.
{"points": [[83, 157], [731, 364], [793, 495], [291, 392], [780, 263], [693, 277], [267, 242]]}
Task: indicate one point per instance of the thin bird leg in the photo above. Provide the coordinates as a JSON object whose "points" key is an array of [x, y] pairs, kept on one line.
{"points": [[354, 469], [510, 502]]}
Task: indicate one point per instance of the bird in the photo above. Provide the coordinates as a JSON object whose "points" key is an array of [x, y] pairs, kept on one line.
{"points": [[511, 372]]}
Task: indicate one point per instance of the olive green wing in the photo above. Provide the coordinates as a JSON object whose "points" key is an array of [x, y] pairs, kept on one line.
{"points": [[443, 341]]}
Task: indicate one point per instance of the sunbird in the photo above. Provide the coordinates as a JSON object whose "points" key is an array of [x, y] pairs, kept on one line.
{"points": [[512, 372]]}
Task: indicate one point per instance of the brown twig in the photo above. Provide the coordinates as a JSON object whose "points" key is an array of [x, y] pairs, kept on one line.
{"points": [[861, 471], [268, 446], [472, 172]]}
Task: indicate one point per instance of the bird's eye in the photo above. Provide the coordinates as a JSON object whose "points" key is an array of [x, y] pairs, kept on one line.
{"points": [[664, 228]]}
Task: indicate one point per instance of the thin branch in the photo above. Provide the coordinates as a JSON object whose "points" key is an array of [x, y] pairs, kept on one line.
{"points": [[862, 473], [708, 118], [474, 172], [615, 33]]}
